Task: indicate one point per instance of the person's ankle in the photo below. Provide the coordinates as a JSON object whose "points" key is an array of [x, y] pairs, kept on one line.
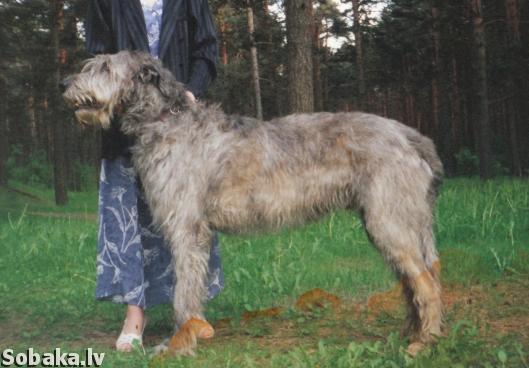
{"points": [[132, 329], [134, 320]]}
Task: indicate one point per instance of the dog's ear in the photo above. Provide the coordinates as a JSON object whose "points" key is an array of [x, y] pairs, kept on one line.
{"points": [[163, 79], [171, 88], [148, 74]]}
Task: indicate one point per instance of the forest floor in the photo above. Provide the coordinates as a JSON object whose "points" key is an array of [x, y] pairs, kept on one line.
{"points": [[47, 281]]}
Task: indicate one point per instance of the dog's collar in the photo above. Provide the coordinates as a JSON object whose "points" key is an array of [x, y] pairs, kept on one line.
{"points": [[172, 111]]}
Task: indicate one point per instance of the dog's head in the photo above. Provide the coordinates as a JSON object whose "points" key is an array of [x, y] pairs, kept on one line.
{"points": [[112, 85]]}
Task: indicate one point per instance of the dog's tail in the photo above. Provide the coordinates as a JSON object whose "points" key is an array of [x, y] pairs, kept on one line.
{"points": [[427, 152]]}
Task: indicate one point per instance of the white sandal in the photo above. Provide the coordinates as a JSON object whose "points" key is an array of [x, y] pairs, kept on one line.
{"points": [[125, 341]]}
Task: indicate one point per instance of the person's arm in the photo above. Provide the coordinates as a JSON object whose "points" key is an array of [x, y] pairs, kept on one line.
{"points": [[99, 37], [204, 49]]}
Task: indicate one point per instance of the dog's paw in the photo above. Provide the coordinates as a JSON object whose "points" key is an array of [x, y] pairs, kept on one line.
{"points": [[200, 328], [182, 341], [415, 348], [185, 340]]}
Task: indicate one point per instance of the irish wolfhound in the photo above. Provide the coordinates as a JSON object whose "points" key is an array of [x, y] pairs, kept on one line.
{"points": [[205, 171]]}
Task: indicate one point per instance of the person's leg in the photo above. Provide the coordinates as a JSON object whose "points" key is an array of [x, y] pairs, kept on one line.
{"points": [[158, 263], [120, 253], [133, 325]]}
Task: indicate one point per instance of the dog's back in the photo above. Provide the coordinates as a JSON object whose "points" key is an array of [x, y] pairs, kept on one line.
{"points": [[297, 168]]}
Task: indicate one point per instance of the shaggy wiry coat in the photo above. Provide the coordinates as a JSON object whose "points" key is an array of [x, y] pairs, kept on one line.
{"points": [[205, 171]]}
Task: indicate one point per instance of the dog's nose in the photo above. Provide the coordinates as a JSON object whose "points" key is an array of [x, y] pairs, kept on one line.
{"points": [[64, 84]]}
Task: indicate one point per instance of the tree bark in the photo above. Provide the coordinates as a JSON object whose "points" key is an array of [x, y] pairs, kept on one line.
{"points": [[32, 116], [223, 42], [50, 128], [385, 104], [435, 70], [4, 148], [513, 19], [299, 45], [513, 87], [316, 56], [361, 88], [326, 56], [59, 133], [442, 129], [482, 122], [255, 63], [407, 94], [456, 116]]}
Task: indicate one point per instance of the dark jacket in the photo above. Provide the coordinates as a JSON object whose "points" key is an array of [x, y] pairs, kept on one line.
{"points": [[188, 44]]}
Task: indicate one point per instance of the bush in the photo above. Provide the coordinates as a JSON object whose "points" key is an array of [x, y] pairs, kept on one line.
{"points": [[468, 164], [32, 170], [84, 177], [35, 170]]}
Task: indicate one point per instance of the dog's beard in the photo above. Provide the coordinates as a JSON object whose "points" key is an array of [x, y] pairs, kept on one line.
{"points": [[94, 117]]}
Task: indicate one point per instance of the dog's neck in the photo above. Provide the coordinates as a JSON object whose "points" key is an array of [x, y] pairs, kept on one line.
{"points": [[137, 123]]}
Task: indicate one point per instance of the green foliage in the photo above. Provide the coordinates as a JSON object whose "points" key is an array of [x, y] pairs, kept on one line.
{"points": [[467, 162], [84, 176], [232, 87], [33, 169]]}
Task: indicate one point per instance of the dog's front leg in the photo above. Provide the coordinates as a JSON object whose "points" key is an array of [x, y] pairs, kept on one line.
{"points": [[191, 250]]}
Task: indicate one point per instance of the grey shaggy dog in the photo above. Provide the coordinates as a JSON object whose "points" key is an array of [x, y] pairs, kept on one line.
{"points": [[205, 171]]}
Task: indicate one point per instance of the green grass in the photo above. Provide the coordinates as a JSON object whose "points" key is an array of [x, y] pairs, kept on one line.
{"points": [[47, 281], [19, 197]]}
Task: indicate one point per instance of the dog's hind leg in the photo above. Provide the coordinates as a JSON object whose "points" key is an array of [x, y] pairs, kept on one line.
{"points": [[395, 217], [412, 326], [191, 250], [430, 253]]}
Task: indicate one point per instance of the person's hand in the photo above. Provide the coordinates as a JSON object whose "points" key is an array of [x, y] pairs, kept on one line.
{"points": [[190, 97]]}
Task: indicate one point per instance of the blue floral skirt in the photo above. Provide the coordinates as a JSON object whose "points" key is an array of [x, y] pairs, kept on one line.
{"points": [[133, 262]]}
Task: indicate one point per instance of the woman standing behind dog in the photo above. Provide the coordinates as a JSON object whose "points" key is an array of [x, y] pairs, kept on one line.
{"points": [[133, 264]]}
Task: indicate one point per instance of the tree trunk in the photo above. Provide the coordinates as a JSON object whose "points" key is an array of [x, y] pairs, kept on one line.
{"points": [[223, 42], [482, 123], [410, 109], [316, 44], [457, 131], [407, 94], [299, 45], [512, 118], [513, 19], [59, 139], [326, 56], [442, 131], [435, 107], [4, 148], [32, 116], [43, 142], [50, 128], [385, 104], [275, 79], [255, 64], [435, 71], [359, 53], [513, 87]]}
